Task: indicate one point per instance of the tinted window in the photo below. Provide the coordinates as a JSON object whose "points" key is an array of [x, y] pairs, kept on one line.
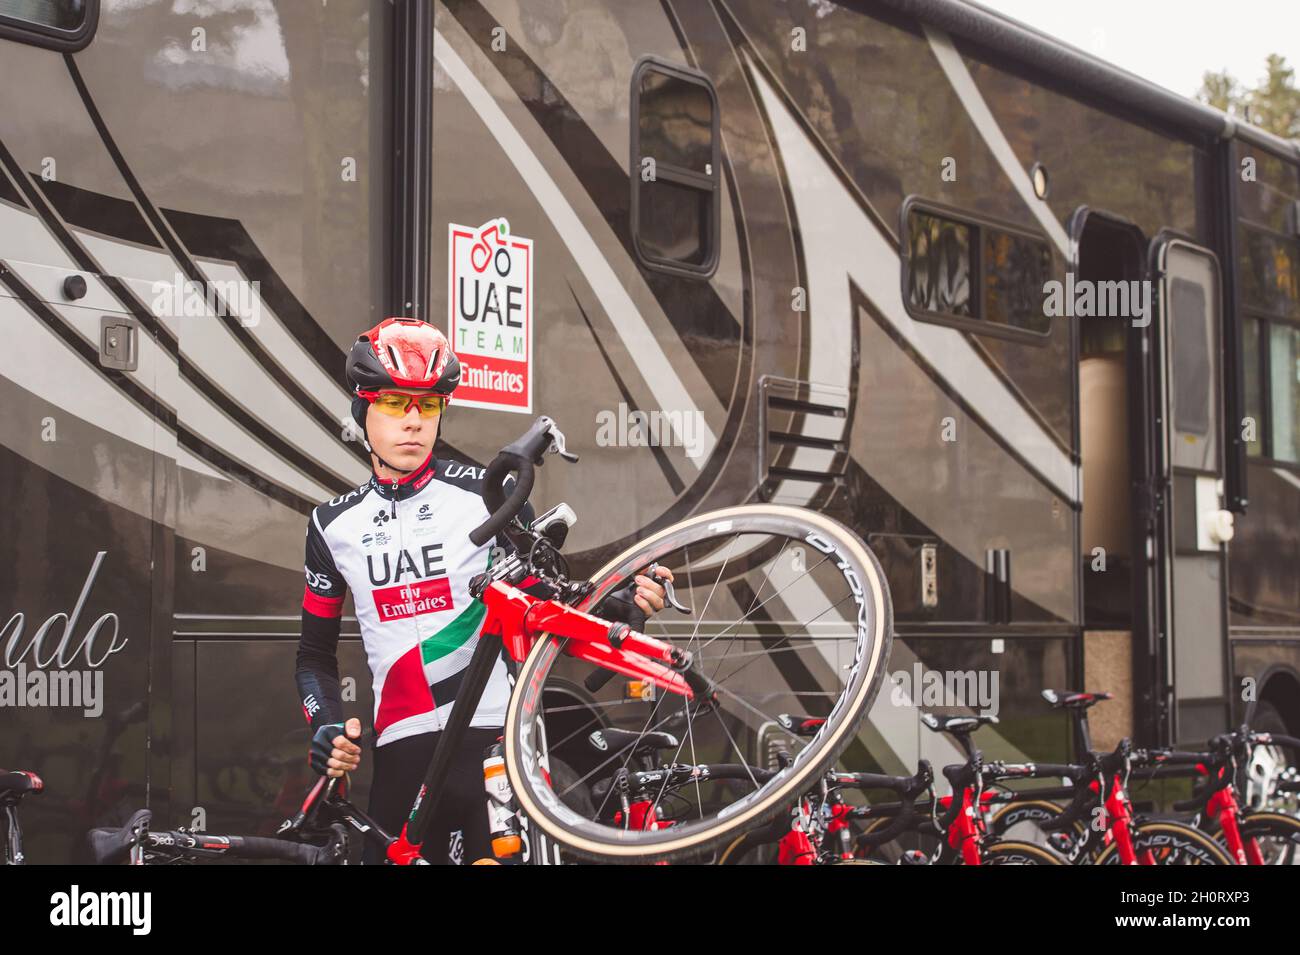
{"points": [[1269, 267], [1191, 358], [676, 186], [676, 122], [674, 222], [976, 271], [939, 265], [1016, 268], [59, 14], [1284, 391], [1251, 383]]}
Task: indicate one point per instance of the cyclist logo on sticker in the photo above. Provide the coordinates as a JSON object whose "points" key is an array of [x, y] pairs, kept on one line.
{"points": [[490, 315]]}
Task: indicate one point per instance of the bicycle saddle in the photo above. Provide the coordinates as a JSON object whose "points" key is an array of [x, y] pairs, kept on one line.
{"points": [[607, 739], [957, 725], [18, 783], [1073, 699], [801, 725]]}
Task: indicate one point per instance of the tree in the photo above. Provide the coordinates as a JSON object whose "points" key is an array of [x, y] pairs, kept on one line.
{"points": [[1221, 90], [1273, 105]]}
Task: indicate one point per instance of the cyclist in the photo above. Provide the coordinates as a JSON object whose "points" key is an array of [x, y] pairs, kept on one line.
{"points": [[400, 543]]}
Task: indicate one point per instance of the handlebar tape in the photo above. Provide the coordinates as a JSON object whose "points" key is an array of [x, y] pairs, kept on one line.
{"points": [[519, 457]]}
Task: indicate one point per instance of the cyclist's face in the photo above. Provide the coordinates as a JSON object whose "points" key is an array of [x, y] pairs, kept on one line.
{"points": [[404, 442]]}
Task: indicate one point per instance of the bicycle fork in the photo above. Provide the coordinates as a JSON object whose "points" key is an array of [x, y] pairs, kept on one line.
{"points": [[1223, 804]]}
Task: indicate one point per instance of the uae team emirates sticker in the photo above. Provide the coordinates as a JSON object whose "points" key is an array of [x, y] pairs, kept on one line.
{"points": [[490, 313]]}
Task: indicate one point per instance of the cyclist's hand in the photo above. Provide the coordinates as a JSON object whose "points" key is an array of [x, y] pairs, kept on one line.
{"points": [[332, 751], [650, 595]]}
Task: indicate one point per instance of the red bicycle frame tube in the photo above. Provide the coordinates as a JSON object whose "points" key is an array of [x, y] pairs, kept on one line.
{"points": [[642, 817], [1119, 825], [520, 618], [840, 815], [966, 833], [796, 846], [1223, 806]]}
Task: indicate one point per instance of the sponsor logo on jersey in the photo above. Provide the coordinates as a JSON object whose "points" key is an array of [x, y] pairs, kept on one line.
{"points": [[411, 600], [317, 581], [336, 501], [377, 539], [456, 470], [382, 570], [424, 514]]}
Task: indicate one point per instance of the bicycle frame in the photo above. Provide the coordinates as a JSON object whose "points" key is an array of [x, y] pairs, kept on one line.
{"points": [[516, 620]]}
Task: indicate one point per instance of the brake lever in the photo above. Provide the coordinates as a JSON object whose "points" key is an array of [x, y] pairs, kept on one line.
{"points": [[669, 593], [557, 445]]}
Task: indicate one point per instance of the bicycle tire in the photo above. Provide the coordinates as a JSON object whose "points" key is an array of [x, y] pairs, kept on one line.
{"points": [[1012, 852], [1169, 836], [1033, 811], [592, 840], [1258, 825]]}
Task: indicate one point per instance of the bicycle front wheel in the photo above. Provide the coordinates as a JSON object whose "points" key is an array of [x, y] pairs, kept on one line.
{"points": [[1276, 835], [1170, 843], [790, 614]]}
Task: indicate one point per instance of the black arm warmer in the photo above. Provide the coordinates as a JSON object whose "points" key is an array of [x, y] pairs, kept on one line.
{"points": [[317, 673]]}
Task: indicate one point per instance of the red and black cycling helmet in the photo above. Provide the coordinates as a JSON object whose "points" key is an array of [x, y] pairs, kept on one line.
{"points": [[399, 353], [403, 353]]}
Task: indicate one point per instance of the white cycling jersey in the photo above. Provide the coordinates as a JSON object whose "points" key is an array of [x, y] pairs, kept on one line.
{"points": [[403, 549]]}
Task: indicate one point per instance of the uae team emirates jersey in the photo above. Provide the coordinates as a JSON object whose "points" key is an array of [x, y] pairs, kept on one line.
{"points": [[403, 549]]}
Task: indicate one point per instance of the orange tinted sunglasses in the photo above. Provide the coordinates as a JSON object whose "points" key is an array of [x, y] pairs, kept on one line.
{"points": [[396, 404]]}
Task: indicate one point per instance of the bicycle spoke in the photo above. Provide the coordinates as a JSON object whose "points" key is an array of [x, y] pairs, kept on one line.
{"points": [[743, 761], [690, 735], [787, 639], [745, 616], [766, 602]]}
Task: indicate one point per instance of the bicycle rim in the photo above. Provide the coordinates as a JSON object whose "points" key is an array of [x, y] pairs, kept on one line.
{"points": [[1171, 843], [1018, 853], [752, 575], [1278, 836], [1022, 821]]}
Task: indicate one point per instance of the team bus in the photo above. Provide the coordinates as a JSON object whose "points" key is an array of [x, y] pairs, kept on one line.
{"points": [[1028, 324]]}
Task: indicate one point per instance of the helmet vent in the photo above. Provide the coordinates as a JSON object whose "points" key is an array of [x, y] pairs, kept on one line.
{"points": [[396, 359]]}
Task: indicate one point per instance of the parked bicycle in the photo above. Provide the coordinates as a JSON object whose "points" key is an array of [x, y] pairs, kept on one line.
{"points": [[1248, 836]]}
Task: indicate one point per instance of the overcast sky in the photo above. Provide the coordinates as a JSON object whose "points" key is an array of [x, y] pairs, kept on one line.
{"points": [[1171, 42]]}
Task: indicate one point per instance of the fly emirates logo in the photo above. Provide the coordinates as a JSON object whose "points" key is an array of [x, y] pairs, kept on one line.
{"points": [[407, 589]]}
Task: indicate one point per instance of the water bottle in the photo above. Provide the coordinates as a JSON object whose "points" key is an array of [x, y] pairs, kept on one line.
{"points": [[502, 818]]}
